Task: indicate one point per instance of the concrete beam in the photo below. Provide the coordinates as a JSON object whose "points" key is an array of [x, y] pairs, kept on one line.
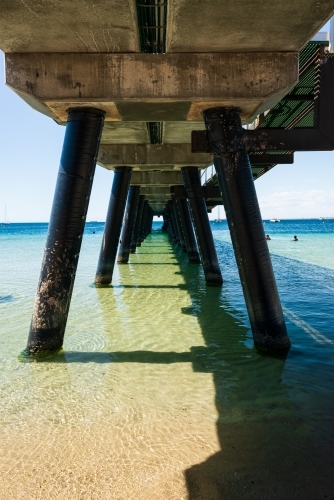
{"points": [[156, 179], [112, 25], [244, 26], [158, 197], [124, 132], [252, 81], [155, 191], [150, 155], [158, 210], [67, 26]]}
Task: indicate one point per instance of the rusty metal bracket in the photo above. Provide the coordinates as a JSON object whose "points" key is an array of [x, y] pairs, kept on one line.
{"points": [[209, 192], [268, 159]]}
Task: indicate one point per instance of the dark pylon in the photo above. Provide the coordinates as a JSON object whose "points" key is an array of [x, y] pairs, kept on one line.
{"points": [[128, 225], [148, 222], [135, 236], [188, 231], [169, 221], [150, 227], [176, 238], [133, 243], [143, 221], [246, 227], [179, 226], [112, 230], [208, 255], [67, 222], [164, 227], [142, 224]]}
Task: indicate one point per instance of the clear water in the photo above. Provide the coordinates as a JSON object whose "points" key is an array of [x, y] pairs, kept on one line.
{"points": [[159, 392]]}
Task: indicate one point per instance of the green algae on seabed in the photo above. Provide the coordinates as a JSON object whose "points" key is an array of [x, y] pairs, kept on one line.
{"points": [[26, 356]]}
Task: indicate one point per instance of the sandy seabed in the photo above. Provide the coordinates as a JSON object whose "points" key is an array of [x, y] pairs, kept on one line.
{"points": [[155, 450], [158, 396]]}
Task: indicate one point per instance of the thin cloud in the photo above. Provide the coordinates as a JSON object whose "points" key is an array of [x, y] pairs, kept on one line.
{"points": [[298, 204]]}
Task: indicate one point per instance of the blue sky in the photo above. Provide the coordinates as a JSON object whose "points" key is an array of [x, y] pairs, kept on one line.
{"points": [[31, 146]]}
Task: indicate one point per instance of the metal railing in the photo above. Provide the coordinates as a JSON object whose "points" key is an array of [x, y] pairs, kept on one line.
{"points": [[326, 36], [207, 174]]}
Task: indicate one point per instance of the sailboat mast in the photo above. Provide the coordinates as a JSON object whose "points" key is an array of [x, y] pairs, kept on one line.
{"points": [[5, 221]]}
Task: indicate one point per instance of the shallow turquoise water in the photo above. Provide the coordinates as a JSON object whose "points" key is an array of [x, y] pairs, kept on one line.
{"points": [[315, 239], [159, 387]]}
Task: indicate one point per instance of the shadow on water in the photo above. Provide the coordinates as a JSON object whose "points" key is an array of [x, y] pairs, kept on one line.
{"points": [[193, 356], [180, 287], [157, 253], [265, 447], [155, 263], [6, 298]]}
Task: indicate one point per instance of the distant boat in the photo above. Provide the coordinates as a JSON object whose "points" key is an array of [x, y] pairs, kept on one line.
{"points": [[219, 219], [5, 222], [274, 219]]}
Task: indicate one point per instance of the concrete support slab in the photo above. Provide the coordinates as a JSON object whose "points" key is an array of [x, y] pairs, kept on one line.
{"points": [[246, 26], [150, 155], [155, 191], [179, 132], [112, 25], [121, 132], [158, 211], [158, 197], [156, 179], [67, 26], [253, 81]]}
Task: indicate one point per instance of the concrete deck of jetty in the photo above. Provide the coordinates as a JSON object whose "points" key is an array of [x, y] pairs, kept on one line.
{"points": [[65, 54]]}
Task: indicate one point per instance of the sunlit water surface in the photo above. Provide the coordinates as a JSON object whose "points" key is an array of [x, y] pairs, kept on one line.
{"points": [[159, 393]]}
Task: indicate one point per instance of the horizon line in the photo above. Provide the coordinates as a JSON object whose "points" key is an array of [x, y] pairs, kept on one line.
{"points": [[223, 219]]}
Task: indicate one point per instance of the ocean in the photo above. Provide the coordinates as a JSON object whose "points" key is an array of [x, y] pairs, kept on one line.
{"points": [[159, 392]]}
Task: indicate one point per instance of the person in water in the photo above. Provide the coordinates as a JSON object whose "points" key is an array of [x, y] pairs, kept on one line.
{"points": [[295, 238], [268, 237]]}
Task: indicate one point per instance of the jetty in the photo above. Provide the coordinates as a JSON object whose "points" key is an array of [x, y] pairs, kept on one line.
{"points": [[158, 91]]}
